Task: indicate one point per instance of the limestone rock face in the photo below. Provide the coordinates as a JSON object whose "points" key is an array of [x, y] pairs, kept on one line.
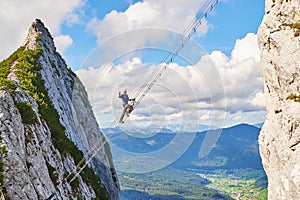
{"points": [[279, 139], [30, 153], [33, 167]]}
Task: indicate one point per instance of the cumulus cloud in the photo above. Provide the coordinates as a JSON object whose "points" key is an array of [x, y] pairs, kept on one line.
{"points": [[16, 16], [172, 98], [246, 48], [184, 93], [62, 42], [259, 100], [147, 14], [241, 75]]}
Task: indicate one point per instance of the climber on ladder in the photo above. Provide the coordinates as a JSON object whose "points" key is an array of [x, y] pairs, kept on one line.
{"points": [[127, 107]]}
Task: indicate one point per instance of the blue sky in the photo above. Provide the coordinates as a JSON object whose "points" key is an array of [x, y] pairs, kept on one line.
{"points": [[228, 36], [85, 41], [231, 20]]}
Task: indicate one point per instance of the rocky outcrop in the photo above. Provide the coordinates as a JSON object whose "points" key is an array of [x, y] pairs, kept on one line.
{"points": [[33, 168], [279, 139], [36, 162]]}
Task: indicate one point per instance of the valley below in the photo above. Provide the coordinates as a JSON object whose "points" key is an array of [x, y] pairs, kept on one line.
{"points": [[170, 183], [231, 170]]}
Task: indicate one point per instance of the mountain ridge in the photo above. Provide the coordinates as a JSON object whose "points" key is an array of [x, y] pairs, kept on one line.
{"points": [[237, 147], [48, 108]]}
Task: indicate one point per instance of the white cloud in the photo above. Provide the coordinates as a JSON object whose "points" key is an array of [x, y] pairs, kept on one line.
{"points": [[184, 94], [259, 100], [62, 42], [241, 75], [172, 98], [159, 14], [17, 15], [206, 116], [246, 48]]}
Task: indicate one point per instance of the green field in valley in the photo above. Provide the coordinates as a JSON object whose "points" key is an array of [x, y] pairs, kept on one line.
{"points": [[236, 185], [170, 183]]}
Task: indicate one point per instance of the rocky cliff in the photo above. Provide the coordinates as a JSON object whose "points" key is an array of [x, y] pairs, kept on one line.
{"points": [[279, 139], [47, 127]]}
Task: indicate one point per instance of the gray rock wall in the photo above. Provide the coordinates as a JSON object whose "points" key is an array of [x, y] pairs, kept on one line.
{"points": [[70, 99], [279, 139], [33, 167], [30, 153]]}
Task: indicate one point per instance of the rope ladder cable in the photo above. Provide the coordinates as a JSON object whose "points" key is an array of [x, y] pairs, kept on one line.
{"points": [[94, 149], [160, 65], [167, 60], [144, 89], [90, 154]]}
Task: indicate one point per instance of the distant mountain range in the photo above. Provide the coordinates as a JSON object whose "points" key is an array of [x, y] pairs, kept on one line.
{"points": [[169, 128], [237, 146], [259, 125]]}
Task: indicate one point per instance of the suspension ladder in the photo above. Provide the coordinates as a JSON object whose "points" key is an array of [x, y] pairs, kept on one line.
{"points": [[144, 89]]}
